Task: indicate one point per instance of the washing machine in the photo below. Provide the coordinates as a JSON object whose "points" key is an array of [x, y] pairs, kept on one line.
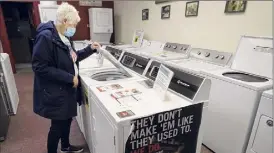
{"points": [[171, 51], [99, 76], [203, 60], [110, 129], [235, 95], [261, 136]]}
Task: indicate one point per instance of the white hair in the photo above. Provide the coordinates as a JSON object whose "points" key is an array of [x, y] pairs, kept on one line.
{"points": [[67, 12]]}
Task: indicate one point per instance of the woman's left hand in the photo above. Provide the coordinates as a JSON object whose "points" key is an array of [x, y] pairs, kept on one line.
{"points": [[95, 45]]}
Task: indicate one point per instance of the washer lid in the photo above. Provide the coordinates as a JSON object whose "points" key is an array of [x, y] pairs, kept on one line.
{"points": [[254, 56]]}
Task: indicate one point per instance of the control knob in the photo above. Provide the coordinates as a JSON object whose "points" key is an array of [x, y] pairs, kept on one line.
{"points": [[174, 47], [207, 54], [222, 57], [217, 56], [199, 53]]}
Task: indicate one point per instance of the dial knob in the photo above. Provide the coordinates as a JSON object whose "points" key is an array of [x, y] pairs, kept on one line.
{"points": [[167, 45], [182, 48], [174, 47], [222, 57], [217, 56], [199, 53], [207, 54]]}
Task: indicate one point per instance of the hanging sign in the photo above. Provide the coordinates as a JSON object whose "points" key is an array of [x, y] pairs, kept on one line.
{"points": [[90, 3], [162, 81], [174, 131]]}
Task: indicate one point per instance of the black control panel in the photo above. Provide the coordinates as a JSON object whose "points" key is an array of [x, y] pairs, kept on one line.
{"points": [[134, 62], [114, 51], [182, 82]]}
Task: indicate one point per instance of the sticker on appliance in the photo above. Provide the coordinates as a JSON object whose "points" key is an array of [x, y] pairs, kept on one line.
{"points": [[109, 88], [126, 113], [174, 131]]}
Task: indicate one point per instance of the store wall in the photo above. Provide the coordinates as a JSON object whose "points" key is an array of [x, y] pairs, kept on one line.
{"points": [[212, 28]]}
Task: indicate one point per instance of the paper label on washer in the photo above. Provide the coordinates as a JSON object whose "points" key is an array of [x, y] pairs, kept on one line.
{"points": [[109, 87], [162, 81]]}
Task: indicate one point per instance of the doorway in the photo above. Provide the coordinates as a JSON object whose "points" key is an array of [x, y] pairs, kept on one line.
{"points": [[20, 27]]}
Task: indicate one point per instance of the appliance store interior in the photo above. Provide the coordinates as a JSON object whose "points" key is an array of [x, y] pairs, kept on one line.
{"points": [[163, 77]]}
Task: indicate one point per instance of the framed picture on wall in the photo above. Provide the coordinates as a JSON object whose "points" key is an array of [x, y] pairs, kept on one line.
{"points": [[192, 8], [235, 6], [165, 12], [145, 14]]}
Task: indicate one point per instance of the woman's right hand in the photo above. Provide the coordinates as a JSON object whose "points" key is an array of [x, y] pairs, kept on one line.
{"points": [[75, 82]]}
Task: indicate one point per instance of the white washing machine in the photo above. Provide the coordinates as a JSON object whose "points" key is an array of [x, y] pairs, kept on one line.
{"points": [[112, 130], [202, 60], [147, 46], [235, 95], [98, 76], [90, 63], [261, 136], [171, 51]]}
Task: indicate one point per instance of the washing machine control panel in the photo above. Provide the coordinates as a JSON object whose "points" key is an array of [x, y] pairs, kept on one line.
{"points": [[175, 47], [213, 56], [135, 62], [114, 51], [183, 83]]}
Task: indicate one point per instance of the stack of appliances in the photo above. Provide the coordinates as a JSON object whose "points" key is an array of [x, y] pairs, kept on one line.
{"points": [[235, 95], [101, 21], [261, 136]]}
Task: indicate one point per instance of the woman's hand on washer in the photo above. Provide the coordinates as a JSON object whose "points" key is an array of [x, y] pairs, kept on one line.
{"points": [[95, 45], [75, 82]]}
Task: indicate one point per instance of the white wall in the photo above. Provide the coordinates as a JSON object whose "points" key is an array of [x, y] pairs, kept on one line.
{"points": [[212, 28]]}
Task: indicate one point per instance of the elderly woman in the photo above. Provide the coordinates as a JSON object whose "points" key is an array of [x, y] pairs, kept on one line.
{"points": [[56, 86]]}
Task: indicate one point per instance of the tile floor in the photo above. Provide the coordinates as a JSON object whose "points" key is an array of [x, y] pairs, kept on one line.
{"points": [[28, 132]]}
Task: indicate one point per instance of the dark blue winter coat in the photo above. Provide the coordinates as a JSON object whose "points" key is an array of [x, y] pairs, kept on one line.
{"points": [[54, 96]]}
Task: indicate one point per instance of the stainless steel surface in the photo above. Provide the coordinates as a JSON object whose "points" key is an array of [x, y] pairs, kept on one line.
{"points": [[175, 47], [212, 56]]}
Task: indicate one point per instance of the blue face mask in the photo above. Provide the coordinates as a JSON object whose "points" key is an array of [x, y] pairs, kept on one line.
{"points": [[70, 32]]}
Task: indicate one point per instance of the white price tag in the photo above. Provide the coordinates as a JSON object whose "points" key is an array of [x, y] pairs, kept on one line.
{"points": [[162, 81]]}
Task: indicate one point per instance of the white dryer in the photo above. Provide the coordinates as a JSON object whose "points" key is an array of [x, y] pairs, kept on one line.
{"points": [[261, 136], [235, 94], [112, 130], [171, 51]]}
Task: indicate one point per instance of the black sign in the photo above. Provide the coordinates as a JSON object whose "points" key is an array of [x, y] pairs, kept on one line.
{"points": [[174, 131]]}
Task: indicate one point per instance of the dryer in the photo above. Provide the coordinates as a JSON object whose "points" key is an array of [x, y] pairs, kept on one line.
{"points": [[261, 136], [235, 94]]}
